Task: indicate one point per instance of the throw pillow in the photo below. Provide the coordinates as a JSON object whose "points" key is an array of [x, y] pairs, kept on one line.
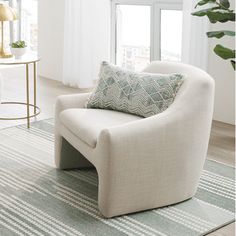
{"points": [[142, 94]]}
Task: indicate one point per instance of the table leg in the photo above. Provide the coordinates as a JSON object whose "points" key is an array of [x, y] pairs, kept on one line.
{"points": [[35, 89], [27, 95]]}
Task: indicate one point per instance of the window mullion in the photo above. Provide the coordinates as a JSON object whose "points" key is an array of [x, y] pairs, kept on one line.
{"points": [[152, 33], [156, 38], [113, 32]]}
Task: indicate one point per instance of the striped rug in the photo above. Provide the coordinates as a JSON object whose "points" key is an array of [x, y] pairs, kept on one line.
{"points": [[37, 199]]}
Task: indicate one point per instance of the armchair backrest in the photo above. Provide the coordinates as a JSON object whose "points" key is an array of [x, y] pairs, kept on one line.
{"points": [[197, 92]]}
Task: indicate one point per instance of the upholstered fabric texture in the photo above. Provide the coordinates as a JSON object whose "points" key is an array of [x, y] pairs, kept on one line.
{"points": [[142, 94], [87, 124], [157, 161]]}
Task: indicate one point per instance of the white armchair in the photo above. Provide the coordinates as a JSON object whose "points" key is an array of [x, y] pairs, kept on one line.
{"points": [[142, 163]]}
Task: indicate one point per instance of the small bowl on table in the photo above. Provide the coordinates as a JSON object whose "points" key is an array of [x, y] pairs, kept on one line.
{"points": [[18, 49]]}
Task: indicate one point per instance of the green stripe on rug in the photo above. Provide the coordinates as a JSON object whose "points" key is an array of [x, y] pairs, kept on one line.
{"points": [[37, 199]]}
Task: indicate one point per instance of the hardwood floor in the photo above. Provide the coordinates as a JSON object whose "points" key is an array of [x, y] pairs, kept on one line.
{"points": [[222, 141]]}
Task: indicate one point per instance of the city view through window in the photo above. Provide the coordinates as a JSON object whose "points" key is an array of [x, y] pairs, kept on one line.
{"points": [[171, 35], [133, 36]]}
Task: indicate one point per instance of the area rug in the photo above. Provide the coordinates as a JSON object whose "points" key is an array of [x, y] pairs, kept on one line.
{"points": [[37, 199]]}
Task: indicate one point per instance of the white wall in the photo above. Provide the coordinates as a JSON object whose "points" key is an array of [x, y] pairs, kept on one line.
{"points": [[51, 38], [224, 76]]}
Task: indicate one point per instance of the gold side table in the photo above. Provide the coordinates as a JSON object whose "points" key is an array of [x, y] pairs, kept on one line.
{"points": [[25, 60]]}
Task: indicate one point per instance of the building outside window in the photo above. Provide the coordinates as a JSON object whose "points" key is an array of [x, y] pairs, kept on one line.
{"points": [[171, 35], [132, 42], [143, 31]]}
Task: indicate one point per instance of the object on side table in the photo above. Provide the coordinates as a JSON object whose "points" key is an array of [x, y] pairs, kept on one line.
{"points": [[142, 163], [18, 48], [6, 14]]}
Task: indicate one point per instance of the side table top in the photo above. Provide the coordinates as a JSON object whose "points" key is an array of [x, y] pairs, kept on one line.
{"points": [[25, 59]]}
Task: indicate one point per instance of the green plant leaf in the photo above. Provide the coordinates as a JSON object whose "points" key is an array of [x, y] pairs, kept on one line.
{"points": [[225, 3], [18, 44], [225, 53], [233, 63], [220, 34], [203, 2], [204, 12], [220, 16]]}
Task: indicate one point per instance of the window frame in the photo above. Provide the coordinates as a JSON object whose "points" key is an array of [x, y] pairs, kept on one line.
{"points": [[155, 27]]}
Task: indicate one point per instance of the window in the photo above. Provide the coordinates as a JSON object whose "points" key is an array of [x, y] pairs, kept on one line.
{"points": [[29, 23], [145, 30], [171, 35], [26, 27], [133, 43]]}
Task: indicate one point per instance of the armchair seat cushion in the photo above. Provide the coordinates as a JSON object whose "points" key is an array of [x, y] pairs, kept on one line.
{"points": [[87, 124]]}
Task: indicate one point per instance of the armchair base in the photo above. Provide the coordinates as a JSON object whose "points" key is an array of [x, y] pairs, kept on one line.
{"points": [[71, 158]]}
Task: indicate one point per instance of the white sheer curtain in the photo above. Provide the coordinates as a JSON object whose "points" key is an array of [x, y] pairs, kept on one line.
{"points": [[86, 40], [195, 41]]}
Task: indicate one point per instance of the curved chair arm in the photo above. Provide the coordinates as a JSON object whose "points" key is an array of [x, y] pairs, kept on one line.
{"points": [[64, 102], [186, 121], [155, 152], [168, 132]]}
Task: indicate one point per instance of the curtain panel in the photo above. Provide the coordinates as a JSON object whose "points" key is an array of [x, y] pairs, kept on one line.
{"points": [[194, 38], [86, 41]]}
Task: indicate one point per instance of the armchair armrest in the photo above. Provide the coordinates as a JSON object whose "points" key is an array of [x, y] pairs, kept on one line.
{"points": [[172, 132], [184, 126], [171, 146], [154, 153], [64, 102]]}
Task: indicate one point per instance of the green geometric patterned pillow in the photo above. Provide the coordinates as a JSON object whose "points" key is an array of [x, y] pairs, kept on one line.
{"points": [[142, 94]]}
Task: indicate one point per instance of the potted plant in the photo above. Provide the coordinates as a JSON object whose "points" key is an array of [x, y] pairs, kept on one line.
{"points": [[18, 48], [218, 11]]}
